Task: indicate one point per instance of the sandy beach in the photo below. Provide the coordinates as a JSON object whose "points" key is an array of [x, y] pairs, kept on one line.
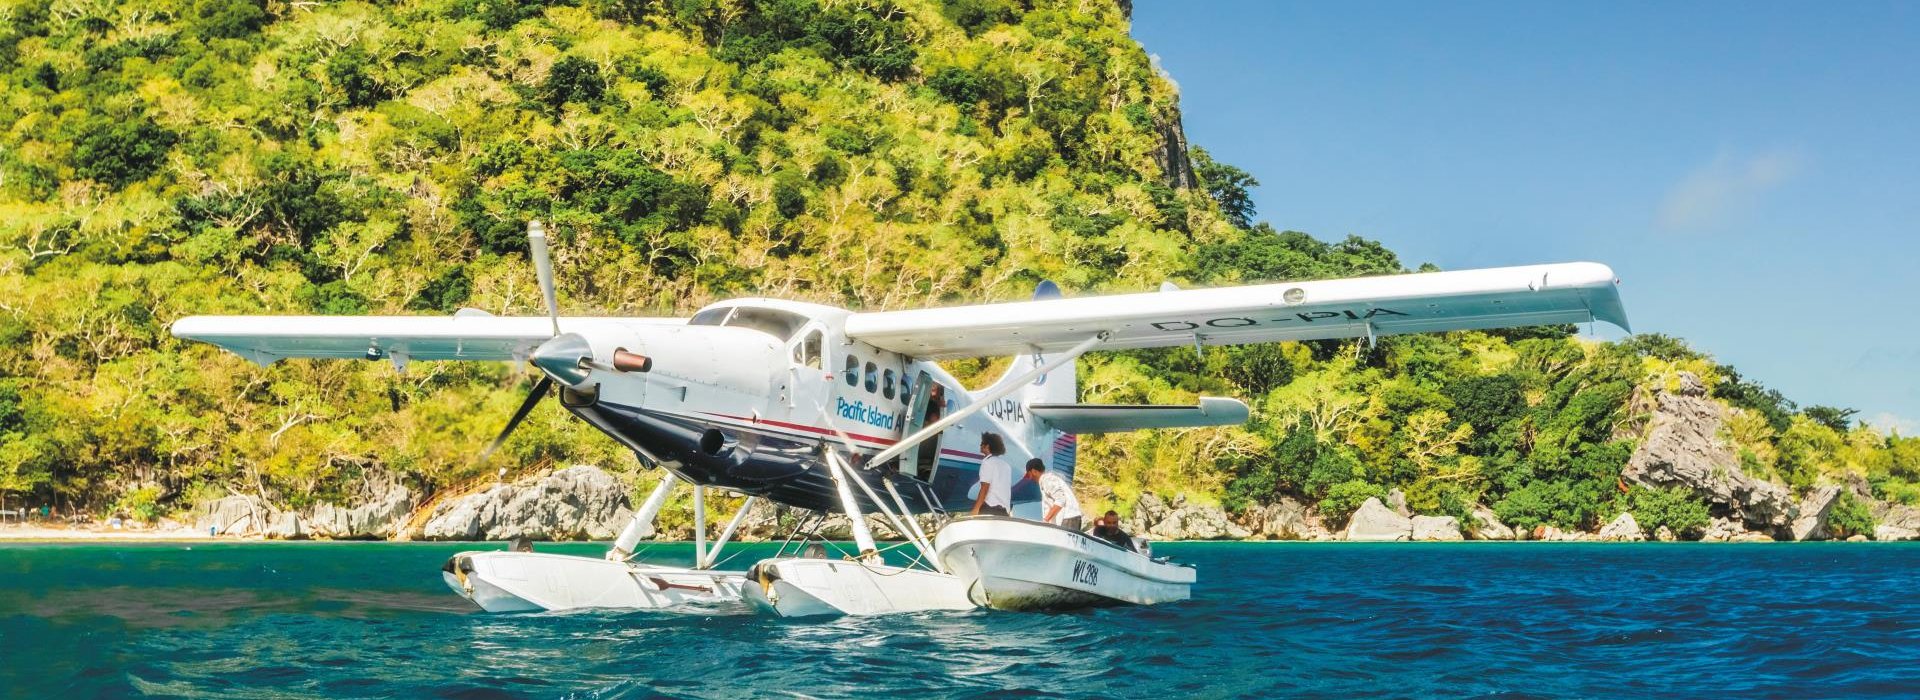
{"points": [[34, 532]]}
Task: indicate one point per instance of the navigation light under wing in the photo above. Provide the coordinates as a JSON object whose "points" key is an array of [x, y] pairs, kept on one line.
{"points": [[1344, 308]]}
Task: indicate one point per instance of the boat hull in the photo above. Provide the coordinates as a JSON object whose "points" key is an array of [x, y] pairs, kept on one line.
{"points": [[526, 581], [1014, 564], [802, 587]]}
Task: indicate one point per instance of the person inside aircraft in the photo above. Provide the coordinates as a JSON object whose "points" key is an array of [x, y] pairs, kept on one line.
{"points": [[996, 478], [1058, 505]]}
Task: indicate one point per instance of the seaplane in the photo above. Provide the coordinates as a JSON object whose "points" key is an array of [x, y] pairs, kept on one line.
{"points": [[834, 410]]}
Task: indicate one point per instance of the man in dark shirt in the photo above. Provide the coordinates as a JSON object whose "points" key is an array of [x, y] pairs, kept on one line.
{"points": [[1108, 528]]}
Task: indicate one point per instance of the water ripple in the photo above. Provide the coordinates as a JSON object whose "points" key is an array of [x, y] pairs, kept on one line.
{"points": [[1470, 620]]}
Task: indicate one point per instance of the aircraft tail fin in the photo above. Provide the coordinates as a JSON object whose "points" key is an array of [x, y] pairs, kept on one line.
{"points": [[1060, 386]]}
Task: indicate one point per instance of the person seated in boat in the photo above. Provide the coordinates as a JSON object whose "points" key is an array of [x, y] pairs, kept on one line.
{"points": [[1058, 505], [1108, 528], [996, 478]]}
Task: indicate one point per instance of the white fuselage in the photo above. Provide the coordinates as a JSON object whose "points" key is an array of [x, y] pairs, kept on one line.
{"points": [[743, 396]]}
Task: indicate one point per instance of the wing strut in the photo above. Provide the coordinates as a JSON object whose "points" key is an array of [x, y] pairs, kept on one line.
{"points": [[1006, 387]]}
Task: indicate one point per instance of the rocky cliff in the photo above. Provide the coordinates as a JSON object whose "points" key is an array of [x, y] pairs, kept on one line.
{"points": [[1683, 448], [579, 502], [378, 511]]}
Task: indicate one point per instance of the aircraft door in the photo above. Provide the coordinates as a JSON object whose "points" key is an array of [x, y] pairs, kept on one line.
{"points": [[808, 378], [926, 407]]}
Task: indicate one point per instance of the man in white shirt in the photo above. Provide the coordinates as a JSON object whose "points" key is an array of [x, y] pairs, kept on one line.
{"points": [[996, 478], [1058, 505]]}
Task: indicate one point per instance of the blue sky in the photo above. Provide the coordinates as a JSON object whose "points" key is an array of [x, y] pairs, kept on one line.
{"points": [[1750, 170]]}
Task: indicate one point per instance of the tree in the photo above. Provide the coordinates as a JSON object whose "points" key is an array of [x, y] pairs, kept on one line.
{"points": [[1849, 516], [1676, 509], [1227, 185], [1839, 419], [573, 79], [120, 151]]}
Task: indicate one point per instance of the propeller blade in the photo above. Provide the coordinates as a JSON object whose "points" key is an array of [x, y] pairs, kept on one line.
{"points": [[543, 266], [533, 399]]}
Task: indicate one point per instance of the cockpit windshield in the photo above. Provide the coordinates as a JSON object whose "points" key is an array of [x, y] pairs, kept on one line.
{"points": [[779, 324]]}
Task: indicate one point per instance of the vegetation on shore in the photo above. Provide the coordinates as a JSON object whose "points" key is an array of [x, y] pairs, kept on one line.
{"points": [[175, 157]]}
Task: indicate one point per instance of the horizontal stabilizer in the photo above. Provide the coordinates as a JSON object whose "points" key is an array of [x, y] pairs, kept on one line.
{"points": [[1086, 418], [467, 336], [1534, 295]]}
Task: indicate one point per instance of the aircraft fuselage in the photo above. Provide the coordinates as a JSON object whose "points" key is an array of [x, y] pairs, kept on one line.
{"points": [[748, 393]]}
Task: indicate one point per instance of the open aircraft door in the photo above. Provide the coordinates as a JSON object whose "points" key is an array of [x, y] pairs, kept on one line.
{"points": [[928, 405]]}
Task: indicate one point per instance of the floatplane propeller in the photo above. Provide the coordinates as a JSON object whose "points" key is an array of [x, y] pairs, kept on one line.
{"points": [[762, 396], [565, 355]]}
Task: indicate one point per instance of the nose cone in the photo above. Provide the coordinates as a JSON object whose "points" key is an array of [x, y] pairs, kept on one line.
{"points": [[564, 358]]}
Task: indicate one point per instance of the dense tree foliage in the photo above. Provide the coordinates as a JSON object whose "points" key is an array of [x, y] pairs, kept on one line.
{"points": [[173, 157]]}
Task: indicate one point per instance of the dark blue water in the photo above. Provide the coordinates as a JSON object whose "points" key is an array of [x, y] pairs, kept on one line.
{"points": [[1516, 620]]}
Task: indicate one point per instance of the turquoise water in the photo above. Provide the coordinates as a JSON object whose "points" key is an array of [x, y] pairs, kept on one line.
{"points": [[1516, 620]]}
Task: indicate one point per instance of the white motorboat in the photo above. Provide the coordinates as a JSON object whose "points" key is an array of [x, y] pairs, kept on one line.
{"points": [[522, 581], [802, 587], [1015, 564]]}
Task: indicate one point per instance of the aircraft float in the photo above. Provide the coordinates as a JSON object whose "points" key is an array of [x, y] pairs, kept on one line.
{"points": [[834, 410]]}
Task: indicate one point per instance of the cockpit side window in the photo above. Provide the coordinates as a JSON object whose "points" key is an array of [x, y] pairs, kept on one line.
{"points": [[807, 352]]}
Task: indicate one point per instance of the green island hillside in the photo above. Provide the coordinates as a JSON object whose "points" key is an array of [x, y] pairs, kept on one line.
{"points": [[175, 157]]}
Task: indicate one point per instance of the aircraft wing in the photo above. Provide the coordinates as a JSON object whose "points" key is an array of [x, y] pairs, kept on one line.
{"points": [[469, 335], [1085, 418], [1345, 308]]}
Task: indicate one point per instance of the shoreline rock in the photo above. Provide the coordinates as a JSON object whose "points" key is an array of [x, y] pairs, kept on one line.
{"points": [[1436, 528], [1180, 520], [1375, 522], [579, 502], [1623, 529]]}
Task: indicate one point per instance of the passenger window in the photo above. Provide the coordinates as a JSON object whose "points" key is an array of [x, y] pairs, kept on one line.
{"points": [[807, 353], [853, 371], [886, 386], [873, 378], [906, 388]]}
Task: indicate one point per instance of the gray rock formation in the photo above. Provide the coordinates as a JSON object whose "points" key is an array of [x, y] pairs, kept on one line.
{"points": [[1897, 516], [579, 502], [1171, 153], [1812, 523], [1664, 535], [1397, 500], [286, 525], [1894, 533], [1682, 448], [1374, 522], [1728, 530], [1289, 519], [237, 516], [1487, 526], [1436, 528], [1623, 529], [379, 516], [1180, 520]]}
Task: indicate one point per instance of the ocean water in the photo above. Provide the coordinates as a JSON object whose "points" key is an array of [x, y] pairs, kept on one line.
{"points": [[1425, 620]]}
